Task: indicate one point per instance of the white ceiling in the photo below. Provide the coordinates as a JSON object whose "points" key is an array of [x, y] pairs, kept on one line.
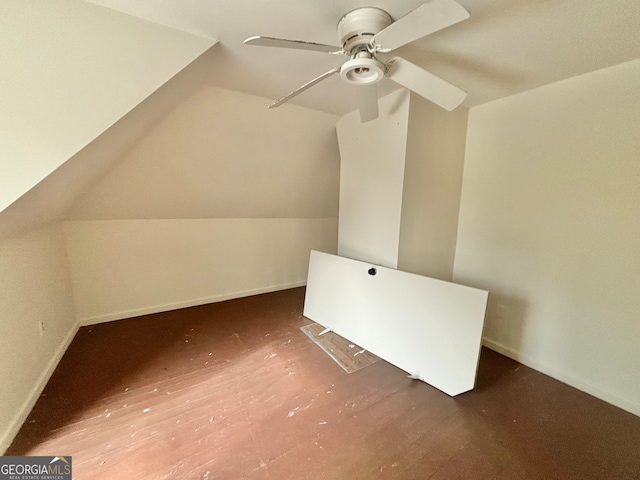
{"points": [[507, 46]]}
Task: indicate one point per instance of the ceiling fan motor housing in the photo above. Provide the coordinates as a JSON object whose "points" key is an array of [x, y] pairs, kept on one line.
{"points": [[357, 28]]}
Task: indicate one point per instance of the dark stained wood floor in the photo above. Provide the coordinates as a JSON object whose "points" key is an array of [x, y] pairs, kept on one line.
{"points": [[235, 390]]}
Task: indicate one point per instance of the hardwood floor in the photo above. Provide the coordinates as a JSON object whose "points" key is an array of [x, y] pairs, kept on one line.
{"points": [[235, 390]]}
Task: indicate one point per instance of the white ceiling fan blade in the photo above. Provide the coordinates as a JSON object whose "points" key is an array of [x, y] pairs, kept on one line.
{"points": [[368, 102], [428, 18], [301, 89], [298, 44], [425, 84]]}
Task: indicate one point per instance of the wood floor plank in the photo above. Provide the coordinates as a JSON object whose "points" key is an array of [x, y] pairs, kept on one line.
{"points": [[235, 390]]}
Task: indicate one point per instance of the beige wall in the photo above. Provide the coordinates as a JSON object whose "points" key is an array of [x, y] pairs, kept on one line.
{"points": [[35, 287], [125, 268], [549, 225], [432, 186], [221, 199], [222, 154], [72, 70]]}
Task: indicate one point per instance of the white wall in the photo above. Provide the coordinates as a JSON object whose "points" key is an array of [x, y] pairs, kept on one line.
{"points": [[70, 70], [221, 199], [372, 157], [432, 187], [35, 287], [222, 154], [124, 268], [549, 225]]}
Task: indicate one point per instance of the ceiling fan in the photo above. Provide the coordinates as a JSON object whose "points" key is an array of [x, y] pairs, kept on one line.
{"points": [[367, 35]]}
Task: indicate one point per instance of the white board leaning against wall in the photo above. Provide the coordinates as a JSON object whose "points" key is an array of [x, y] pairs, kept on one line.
{"points": [[430, 328]]}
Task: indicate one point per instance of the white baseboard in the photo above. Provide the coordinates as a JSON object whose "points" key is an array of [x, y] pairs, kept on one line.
{"points": [[185, 304], [564, 377], [14, 426]]}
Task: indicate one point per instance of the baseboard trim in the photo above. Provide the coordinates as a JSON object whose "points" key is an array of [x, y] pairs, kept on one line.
{"points": [[9, 434], [564, 377], [110, 317]]}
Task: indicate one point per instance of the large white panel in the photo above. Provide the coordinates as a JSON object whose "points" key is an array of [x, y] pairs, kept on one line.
{"points": [[427, 327]]}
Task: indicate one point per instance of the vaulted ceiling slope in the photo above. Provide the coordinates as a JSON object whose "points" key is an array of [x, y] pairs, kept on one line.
{"points": [[70, 70], [49, 199], [505, 47]]}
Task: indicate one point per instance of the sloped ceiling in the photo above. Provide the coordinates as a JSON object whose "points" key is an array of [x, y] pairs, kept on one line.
{"points": [[70, 70], [507, 46], [50, 198]]}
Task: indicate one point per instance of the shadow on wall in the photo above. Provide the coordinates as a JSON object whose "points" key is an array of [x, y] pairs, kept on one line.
{"points": [[505, 322]]}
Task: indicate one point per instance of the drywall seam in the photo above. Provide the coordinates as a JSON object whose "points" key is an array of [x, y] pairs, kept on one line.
{"points": [[21, 416], [564, 377], [185, 304]]}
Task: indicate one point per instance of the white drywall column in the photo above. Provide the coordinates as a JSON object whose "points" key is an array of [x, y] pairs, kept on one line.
{"points": [[372, 157]]}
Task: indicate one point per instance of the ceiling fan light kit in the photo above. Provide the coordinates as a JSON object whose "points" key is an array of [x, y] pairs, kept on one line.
{"points": [[368, 31], [362, 71]]}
